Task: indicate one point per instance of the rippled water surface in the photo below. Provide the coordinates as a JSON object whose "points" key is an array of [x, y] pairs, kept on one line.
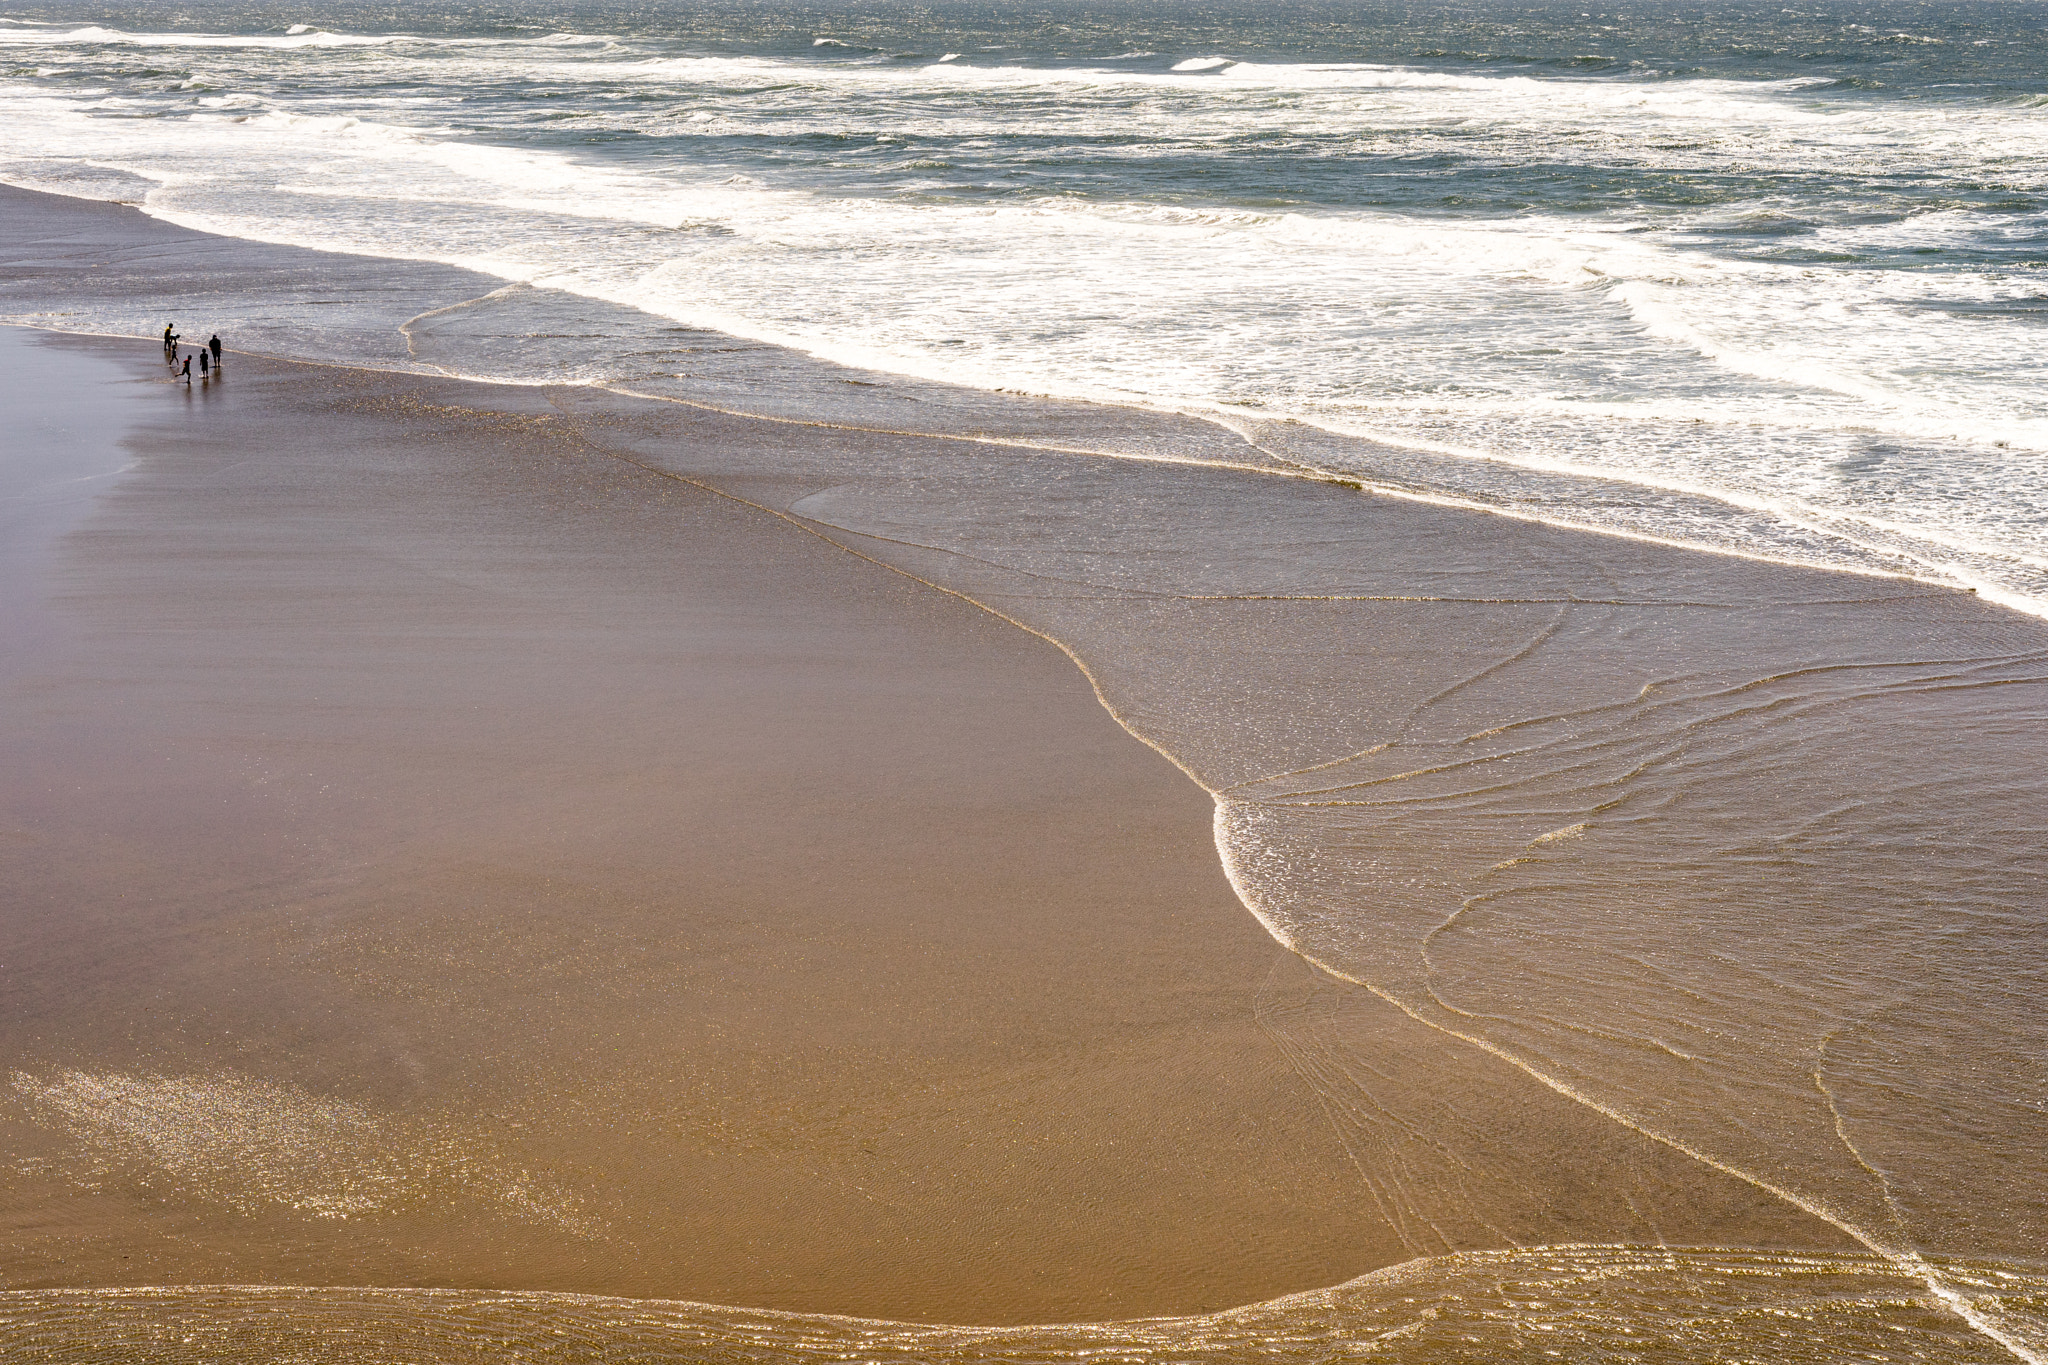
{"points": [[1776, 271]]}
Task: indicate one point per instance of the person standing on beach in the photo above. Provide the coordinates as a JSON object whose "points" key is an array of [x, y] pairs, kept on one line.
{"points": [[214, 346], [202, 362], [170, 341]]}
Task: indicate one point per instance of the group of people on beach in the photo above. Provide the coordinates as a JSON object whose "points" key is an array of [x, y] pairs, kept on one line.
{"points": [[208, 351]]}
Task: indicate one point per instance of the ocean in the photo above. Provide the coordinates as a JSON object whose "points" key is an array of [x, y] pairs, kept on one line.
{"points": [[1745, 865], [1760, 279]]}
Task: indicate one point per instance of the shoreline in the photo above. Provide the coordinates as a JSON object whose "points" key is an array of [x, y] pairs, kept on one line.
{"points": [[1147, 865], [1553, 498], [1269, 646], [1231, 932]]}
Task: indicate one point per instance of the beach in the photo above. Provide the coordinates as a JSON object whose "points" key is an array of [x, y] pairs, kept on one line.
{"points": [[541, 805], [785, 931], [557, 838]]}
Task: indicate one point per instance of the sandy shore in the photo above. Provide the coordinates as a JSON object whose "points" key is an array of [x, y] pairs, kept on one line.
{"points": [[531, 838], [448, 855]]}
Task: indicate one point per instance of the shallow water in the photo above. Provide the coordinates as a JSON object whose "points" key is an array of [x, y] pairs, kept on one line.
{"points": [[1745, 862]]}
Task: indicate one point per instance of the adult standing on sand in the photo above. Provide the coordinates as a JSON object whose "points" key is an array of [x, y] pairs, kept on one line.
{"points": [[213, 345], [170, 341]]}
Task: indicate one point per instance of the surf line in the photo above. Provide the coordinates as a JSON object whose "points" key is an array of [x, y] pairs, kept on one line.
{"points": [[809, 528], [1906, 1260], [1288, 468]]}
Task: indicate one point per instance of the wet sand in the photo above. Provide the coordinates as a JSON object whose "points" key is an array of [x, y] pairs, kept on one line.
{"points": [[447, 854], [442, 854], [451, 845], [447, 843]]}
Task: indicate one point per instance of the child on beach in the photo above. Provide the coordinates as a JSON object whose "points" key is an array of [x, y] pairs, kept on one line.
{"points": [[202, 362], [170, 341], [187, 371]]}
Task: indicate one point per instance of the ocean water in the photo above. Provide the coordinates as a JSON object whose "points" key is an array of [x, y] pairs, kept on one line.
{"points": [[1762, 279], [1746, 864]]}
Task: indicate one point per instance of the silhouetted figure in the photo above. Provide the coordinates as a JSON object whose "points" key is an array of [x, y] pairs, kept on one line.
{"points": [[170, 341], [202, 362], [214, 346], [187, 371]]}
